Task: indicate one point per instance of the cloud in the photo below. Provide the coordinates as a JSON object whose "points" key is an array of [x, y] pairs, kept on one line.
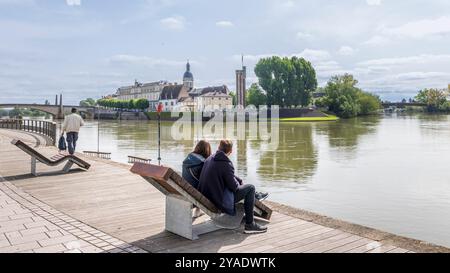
{"points": [[312, 55], [420, 29], [224, 24], [173, 23], [419, 59], [373, 2], [303, 36], [145, 61], [346, 51], [73, 2], [377, 40]]}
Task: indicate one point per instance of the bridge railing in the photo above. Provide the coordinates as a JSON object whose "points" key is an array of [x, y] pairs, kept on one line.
{"points": [[45, 128]]}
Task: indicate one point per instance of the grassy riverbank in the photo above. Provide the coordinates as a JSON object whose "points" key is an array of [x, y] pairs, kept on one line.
{"points": [[310, 119]]}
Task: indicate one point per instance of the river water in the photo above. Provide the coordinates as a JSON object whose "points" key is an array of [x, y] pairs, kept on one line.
{"points": [[390, 172]]}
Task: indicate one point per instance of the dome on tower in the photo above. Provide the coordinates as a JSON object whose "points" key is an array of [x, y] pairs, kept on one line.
{"points": [[188, 74]]}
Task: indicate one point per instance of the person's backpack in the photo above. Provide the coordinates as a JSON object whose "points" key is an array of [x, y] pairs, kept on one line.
{"points": [[62, 144]]}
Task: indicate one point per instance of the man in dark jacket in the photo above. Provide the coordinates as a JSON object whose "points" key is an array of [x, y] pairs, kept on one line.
{"points": [[220, 185]]}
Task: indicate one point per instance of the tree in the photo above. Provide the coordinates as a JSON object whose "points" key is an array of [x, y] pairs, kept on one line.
{"points": [[342, 96], [346, 100], [3, 113], [256, 96], [88, 102], [233, 97], [286, 81], [435, 99], [369, 103]]}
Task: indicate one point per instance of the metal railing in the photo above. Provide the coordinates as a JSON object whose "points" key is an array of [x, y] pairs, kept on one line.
{"points": [[134, 159], [97, 154], [45, 128]]}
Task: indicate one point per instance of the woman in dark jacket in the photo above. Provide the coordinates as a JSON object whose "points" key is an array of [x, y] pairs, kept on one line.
{"points": [[193, 165]]}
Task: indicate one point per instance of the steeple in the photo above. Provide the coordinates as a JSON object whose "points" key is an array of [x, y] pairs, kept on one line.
{"points": [[188, 78]]}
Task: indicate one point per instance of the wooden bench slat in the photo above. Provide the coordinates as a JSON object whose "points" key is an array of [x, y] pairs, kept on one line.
{"points": [[162, 174], [48, 161]]}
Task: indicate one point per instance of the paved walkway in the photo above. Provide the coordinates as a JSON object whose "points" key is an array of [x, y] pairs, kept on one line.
{"points": [[109, 209], [29, 225]]}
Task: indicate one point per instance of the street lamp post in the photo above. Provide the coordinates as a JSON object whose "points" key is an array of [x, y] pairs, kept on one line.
{"points": [[98, 130], [159, 110]]}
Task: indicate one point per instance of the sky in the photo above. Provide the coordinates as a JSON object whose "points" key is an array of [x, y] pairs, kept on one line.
{"points": [[89, 48]]}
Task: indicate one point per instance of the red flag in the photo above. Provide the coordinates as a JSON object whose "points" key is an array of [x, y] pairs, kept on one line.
{"points": [[160, 108]]}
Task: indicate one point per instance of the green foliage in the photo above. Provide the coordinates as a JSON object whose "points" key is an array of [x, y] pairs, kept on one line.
{"points": [[435, 99], [287, 81], [256, 96], [140, 104], [16, 112], [88, 102], [233, 96], [369, 103], [3, 113], [346, 100]]}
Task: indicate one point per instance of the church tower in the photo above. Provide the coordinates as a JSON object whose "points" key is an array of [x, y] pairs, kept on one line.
{"points": [[241, 88], [188, 78]]}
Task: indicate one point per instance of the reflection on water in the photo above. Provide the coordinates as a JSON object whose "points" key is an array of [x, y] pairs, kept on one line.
{"points": [[387, 172], [295, 160]]}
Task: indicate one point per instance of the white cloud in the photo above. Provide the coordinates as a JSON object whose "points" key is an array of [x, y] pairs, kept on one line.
{"points": [[421, 28], [145, 61], [373, 2], [224, 24], [303, 36], [419, 59], [73, 2], [312, 55], [377, 40], [346, 51], [173, 23]]}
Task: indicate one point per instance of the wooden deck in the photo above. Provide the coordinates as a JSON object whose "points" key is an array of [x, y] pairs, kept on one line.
{"points": [[111, 199]]}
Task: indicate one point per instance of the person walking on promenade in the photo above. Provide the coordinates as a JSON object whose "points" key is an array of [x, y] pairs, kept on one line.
{"points": [[71, 126]]}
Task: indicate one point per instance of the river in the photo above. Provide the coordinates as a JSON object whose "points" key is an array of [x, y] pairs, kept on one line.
{"points": [[389, 172]]}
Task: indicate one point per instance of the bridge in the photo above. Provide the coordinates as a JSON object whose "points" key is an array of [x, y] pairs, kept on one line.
{"points": [[57, 111], [403, 104]]}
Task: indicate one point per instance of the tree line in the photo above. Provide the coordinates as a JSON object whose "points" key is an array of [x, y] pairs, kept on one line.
{"points": [[436, 100], [291, 82], [134, 104]]}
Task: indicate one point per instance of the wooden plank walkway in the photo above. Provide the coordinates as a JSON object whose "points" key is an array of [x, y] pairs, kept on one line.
{"points": [[111, 199]]}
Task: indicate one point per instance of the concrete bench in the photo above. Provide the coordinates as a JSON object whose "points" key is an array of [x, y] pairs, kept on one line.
{"points": [[181, 198], [53, 161]]}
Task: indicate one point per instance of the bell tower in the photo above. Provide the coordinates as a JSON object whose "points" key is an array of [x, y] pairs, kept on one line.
{"points": [[188, 78]]}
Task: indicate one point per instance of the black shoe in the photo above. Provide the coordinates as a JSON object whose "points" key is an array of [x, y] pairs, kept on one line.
{"points": [[261, 196], [254, 229]]}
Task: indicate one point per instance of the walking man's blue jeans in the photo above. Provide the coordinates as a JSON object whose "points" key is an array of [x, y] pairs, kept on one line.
{"points": [[72, 138], [247, 193]]}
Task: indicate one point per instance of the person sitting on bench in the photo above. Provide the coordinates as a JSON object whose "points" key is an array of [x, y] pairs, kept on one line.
{"points": [[193, 165], [219, 184]]}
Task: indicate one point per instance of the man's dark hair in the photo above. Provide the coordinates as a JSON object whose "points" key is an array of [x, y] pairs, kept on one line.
{"points": [[74, 110], [226, 146]]}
